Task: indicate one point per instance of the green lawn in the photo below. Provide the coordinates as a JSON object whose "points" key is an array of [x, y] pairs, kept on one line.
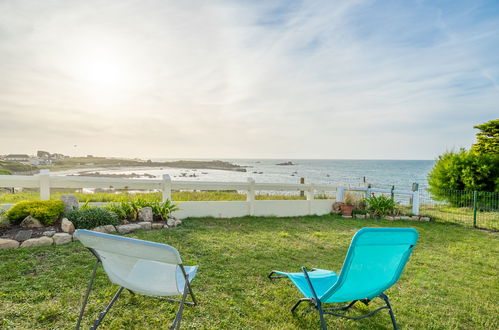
{"points": [[451, 280]]}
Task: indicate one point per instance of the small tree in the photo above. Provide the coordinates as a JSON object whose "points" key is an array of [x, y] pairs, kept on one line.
{"points": [[488, 138], [477, 169]]}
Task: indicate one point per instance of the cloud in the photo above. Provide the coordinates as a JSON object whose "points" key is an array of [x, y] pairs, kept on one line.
{"points": [[342, 79]]}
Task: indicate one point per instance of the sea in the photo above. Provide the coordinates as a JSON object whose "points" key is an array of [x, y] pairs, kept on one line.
{"points": [[380, 173]]}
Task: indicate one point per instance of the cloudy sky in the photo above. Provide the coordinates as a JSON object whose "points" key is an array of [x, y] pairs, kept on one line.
{"points": [[247, 79]]}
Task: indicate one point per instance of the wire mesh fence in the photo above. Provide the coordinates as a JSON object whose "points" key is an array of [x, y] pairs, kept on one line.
{"points": [[478, 209]]}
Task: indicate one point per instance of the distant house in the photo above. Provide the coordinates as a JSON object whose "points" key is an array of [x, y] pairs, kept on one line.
{"points": [[17, 158]]}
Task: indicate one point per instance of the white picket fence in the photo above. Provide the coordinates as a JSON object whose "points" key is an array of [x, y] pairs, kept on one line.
{"points": [[220, 209]]}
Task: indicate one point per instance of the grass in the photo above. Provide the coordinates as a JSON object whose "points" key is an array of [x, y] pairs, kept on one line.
{"points": [[152, 196], [450, 282]]}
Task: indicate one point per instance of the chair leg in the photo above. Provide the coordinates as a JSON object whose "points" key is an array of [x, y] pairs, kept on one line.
{"points": [[178, 317], [321, 315], [103, 314], [298, 303], [392, 316], [89, 287]]}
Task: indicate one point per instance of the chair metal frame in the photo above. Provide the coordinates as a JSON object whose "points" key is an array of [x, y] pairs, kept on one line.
{"points": [[178, 316], [317, 305]]}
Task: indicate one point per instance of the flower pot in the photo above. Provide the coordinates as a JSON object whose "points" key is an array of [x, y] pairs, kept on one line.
{"points": [[346, 210]]}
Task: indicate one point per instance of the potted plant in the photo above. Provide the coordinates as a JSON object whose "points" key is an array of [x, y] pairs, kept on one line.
{"points": [[348, 205]]}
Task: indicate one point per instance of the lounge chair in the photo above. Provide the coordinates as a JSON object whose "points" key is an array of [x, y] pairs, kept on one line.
{"points": [[374, 262], [143, 267]]}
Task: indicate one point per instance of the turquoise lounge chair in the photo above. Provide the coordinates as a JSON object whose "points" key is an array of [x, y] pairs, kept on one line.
{"points": [[374, 262]]}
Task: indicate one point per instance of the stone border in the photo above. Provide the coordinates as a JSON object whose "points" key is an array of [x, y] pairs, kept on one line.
{"points": [[392, 218], [51, 237]]}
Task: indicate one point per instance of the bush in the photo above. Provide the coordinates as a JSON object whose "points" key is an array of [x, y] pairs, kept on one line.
{"points": [[48, 212], [463, 170], [92, 217], [380, 205], [163, 210], [129, 210]]}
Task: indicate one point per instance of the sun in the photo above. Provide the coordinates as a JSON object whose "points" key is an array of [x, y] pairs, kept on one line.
{"points": [[103, 70]]}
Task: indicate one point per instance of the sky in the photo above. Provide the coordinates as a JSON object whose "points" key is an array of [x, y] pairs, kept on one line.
{"points": [[247, 79]]}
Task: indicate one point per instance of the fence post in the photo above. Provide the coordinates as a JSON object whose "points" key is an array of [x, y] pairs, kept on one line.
{"points": [[310, 197], [368, 190], [44, 185], [340, 194], [302, 181], [250, 196], [415, 202], [475, 202], [166, 188]]}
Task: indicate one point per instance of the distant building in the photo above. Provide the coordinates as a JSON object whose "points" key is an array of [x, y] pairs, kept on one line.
{"points": [[17, 157]]}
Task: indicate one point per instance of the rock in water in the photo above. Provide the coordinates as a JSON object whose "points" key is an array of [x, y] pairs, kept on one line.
{"points": [[70, 203], [31, 222]]}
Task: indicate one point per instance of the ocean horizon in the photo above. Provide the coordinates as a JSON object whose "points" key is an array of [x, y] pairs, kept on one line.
{"points": [[379, 172]]}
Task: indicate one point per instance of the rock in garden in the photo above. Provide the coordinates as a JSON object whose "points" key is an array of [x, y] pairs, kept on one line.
{"points": [[157, 225], [8, 244], [125, 229], [347, 216], [31, 222], [178, 222], [424, 219], [62, 238], [105, 229], [170, 222], [70, 203], [23, 235], [41, 241], [49, 233], [390, 218], [67, 226], [337, 207], [145, 214], [145, 225], [405, 217], [360, 216]]}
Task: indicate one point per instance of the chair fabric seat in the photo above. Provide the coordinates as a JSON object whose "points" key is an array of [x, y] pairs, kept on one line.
{"points": [[321, 279], [152, 278]]}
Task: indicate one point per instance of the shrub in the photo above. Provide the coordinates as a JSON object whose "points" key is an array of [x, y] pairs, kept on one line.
{"points": [[163, 209], [463, 170], [130, 209], [92, 217], [48, 212], [380, 205]]}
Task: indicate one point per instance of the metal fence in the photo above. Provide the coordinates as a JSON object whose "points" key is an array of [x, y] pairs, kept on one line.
{"points": [[479, 209]]}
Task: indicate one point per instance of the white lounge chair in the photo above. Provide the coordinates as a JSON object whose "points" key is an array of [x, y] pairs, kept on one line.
{"points": [[148, 268]]}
